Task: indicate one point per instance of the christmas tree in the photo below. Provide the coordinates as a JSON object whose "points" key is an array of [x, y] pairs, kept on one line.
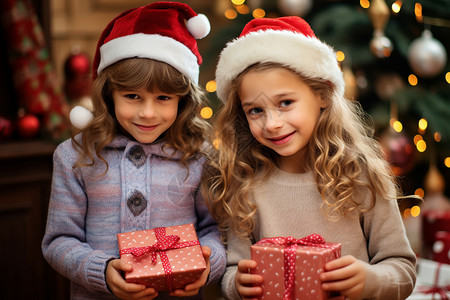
{"points": [[394, 58]]}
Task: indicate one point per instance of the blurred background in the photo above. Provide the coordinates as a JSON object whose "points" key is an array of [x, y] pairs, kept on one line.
{"points": [[394, 55]]}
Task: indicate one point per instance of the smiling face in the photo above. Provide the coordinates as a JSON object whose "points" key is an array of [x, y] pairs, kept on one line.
{"points": [[143, 114], [282, 112]]}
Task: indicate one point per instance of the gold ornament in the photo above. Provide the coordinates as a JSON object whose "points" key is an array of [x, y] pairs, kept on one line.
{"points": [[434, 181], [379, 14]]}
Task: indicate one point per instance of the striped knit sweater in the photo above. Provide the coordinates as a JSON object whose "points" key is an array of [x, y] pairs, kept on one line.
{"points": [[142, 189]]}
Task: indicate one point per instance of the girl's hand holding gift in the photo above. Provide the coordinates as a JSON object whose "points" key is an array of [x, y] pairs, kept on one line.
{"points": [[194, 287], [248, 285], [123, 289], [346, 275]]}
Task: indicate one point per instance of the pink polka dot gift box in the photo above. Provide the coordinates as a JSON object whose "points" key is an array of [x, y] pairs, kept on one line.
{"points": [[291, 267], [164, 258]]}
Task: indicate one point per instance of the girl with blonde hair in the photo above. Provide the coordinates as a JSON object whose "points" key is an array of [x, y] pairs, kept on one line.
{"points": [[294, 157]]}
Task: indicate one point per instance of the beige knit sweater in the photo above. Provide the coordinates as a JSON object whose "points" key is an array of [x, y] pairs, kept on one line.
{"points": [[289, 205]]}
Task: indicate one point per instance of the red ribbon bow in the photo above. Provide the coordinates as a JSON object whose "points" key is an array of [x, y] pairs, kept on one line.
{"points": [[164, 243], [291, 244]]}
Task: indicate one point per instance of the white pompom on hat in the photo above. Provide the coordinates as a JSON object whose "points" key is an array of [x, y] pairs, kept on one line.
{"points": [[163, 31], [287, 40]]}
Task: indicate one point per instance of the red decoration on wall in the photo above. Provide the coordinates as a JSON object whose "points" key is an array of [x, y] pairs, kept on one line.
{"points": [[28, 126], [33, 75]]}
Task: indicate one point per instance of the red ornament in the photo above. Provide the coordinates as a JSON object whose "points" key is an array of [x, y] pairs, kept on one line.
{"points": [[398, 151], [77, 65], [78, 81], [6, 129], [28, 126]]}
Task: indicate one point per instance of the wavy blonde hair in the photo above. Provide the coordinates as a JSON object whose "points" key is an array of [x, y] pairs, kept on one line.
{"points": [[187, 134], [342, 155]]}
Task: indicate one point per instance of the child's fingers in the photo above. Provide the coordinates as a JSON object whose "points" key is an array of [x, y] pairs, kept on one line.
{"points": [[340, 262], [120, 265], [184, 293], [206, 252], [246, 264], [249, 292], [193, 288], [146, 294], [249, 279]]}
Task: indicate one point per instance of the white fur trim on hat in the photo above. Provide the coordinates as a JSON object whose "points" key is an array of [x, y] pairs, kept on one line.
{"points": [[152, 46], [198, 26], [306, 55]]}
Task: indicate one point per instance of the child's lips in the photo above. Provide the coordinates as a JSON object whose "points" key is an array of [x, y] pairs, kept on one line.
{"points": [[146, 127], [281, 139]]}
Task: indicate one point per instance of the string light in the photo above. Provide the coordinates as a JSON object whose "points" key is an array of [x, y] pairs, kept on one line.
{"points": [[437, 136], [231, 14], [423, 124], [396, 6], [364, 3], [206, 112], [417, 138], [447, 162], [397, 125], [418, 12], [447, 77], [237, 2], [340, 56], [211, 86], [412, 79], [407, 213], [419, 192], [415, 211], [242, 9], [258, 13], [421, 146]]}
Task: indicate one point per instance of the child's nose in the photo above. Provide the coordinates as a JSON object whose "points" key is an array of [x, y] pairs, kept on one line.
{"points": [[147, 109], [273, 120]]}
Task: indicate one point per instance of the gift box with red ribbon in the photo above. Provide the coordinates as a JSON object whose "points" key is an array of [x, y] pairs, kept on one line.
{"points": [[291, 267], [433, 281], [164, 258]]}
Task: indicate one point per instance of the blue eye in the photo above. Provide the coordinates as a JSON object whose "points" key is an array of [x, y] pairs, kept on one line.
{"points": [[254, 111], [285, 103]]}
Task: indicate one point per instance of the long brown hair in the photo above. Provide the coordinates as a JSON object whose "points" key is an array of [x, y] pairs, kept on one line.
{"points": [[187, 134]]}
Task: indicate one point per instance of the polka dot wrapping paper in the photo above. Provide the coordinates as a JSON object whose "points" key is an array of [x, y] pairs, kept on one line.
{"points": [[291, 267], [164, 258]]}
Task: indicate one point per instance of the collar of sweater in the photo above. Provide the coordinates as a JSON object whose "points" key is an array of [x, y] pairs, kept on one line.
{"points": [[158, 148]]}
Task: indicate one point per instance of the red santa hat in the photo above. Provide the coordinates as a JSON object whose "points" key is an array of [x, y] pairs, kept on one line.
{"points": [[287, 40], [163, 31]]}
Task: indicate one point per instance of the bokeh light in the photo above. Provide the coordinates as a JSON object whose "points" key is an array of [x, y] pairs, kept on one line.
{"points": [[412, 79], [258, 13], [206, 112]]}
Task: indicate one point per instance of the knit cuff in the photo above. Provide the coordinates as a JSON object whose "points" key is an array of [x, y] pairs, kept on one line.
{"points": [[95, 272]]}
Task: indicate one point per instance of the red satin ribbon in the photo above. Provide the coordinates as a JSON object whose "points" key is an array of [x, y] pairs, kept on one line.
{"points": [[164, 242], [291, 244], [435, 289]]}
